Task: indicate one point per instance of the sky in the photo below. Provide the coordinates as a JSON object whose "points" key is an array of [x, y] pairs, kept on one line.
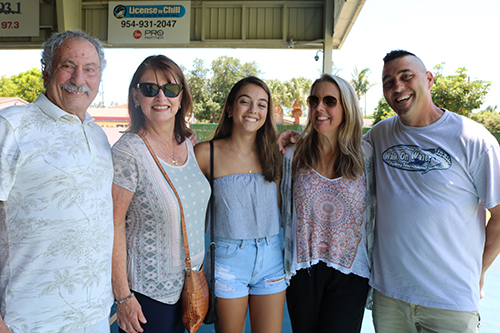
{"points": [[460, 33]]}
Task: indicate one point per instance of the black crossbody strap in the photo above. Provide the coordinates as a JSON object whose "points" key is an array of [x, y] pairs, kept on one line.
{"points": [[212, 229]]}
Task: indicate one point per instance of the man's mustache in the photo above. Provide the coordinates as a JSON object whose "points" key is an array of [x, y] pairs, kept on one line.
{"points": [[73, 87]]}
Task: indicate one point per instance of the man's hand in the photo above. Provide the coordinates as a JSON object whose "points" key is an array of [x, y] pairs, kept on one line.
{"points": [[481, 285], [129, 316], [194, 139], [285, 138], [492, 243]]}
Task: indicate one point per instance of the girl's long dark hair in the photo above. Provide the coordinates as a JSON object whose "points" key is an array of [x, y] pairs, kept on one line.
{"points": [[269, 156]]}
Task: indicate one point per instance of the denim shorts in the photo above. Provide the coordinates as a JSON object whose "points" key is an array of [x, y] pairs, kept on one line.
{"points": [[248, 267]]}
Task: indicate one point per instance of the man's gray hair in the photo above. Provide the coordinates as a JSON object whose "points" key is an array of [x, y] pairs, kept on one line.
{"points": [[56, 40]]}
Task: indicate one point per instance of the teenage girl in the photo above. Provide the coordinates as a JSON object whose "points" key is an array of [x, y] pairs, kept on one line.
{"points": [[249, 269]]}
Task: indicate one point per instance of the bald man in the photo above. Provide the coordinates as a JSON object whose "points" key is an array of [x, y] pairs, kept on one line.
{"points": [[436, 172]]}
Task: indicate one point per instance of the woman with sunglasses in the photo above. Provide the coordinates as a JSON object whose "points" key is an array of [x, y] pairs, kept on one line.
{"points": [[249, 271], [327, 212], [148, 255]]}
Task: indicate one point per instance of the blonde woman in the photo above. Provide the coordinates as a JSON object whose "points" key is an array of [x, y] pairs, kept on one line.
{"points": [[325, 216]]}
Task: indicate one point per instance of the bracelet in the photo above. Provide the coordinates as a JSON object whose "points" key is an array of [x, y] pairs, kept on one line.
{"points": [[125, 299]]}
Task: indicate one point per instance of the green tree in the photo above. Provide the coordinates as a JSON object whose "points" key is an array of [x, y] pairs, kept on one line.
{"points": [[456, 93], [197, 79], [198, 84], [27, 85], [226, 71], [382, 111], [296, 89], [209, 93], [360, 82], [7, 87], [278, 92], [489, 118], [491, 108]]}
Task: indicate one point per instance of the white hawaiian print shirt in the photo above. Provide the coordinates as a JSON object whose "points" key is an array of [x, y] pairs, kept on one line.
{"points": [[56, 219]]}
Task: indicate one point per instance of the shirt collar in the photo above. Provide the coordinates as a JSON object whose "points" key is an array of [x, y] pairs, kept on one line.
{"points": [[55, 112]]}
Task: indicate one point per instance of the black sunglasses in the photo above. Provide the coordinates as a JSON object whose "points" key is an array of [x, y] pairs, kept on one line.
{"points": [[152, 89], [329, 101]]}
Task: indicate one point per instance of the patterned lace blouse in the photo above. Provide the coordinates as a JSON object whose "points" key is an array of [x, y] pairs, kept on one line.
{"points": [[155, 261], [328, 220]]}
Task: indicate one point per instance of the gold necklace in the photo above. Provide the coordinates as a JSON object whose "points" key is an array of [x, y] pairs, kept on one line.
{"points": [[234, 151], [174, 160]]}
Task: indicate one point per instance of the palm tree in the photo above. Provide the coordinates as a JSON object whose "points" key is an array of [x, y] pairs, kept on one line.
{"points": [[286, 93], [278, 92], [297, 90], [360, 81]]}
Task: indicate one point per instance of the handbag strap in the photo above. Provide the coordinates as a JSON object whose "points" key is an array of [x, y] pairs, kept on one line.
{"points": [[183, 222], [212, 211], [212, 215]]}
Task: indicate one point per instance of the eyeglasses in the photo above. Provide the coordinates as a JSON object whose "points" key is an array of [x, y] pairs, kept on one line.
{"points": [[329, 101], [152, 89]]}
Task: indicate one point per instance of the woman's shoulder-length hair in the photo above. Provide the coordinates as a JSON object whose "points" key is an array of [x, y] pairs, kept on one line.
{"points": [[168, 68]]}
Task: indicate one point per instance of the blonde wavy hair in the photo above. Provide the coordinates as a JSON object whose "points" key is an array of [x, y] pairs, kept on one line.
{"points": [[350, 160]]}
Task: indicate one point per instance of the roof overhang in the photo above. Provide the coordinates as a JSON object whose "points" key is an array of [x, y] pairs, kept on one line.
{"points": [[215, 24]]}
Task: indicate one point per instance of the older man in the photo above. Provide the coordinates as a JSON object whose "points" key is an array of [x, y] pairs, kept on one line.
{"points": [[436, 172], [56, 223]]}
